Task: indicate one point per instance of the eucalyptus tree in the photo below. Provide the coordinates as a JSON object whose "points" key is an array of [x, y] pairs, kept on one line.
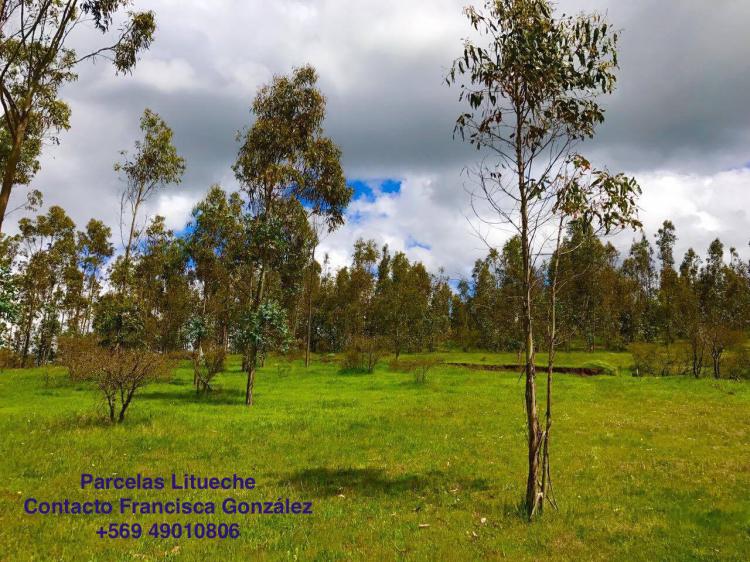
{"points": [[666, 238], [153, 165], [94, 249], [532, 93], [215, 246], [162, 287], [37, 59], [48, 248], [640, 272], [284, 157]]}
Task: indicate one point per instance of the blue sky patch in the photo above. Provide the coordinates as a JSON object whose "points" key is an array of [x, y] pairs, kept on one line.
{"points": [[414, 243], [369, 190]]}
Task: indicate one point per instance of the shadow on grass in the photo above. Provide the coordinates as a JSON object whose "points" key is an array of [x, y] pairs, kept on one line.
{"points": [[93, 420], [354, 373], [218, 397], [322, 482]]}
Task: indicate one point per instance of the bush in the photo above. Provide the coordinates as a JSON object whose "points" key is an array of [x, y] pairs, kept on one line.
{"points": [[419, 368], [207, 367], [363, 354], [8, 359], [74, 353], [117, 373], [737, 363], [651, 359], [178, 355]]}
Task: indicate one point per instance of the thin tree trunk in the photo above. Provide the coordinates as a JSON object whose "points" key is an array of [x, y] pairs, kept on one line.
{"points": [[551, 350], [532, 416], [11, 164], [252, 360], [309, 310]]}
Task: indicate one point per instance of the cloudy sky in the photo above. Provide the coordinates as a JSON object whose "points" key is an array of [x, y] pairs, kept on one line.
{"points": [[679, 121]]}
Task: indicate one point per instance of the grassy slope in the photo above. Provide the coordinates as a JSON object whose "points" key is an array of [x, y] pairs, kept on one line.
{"points": [[645, 469]]}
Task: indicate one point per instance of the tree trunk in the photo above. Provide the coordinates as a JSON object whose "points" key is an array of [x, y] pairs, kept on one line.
{"points": [[251, 368], [11, 164], [551, 349], [532, 416], [252, 360], [308, 336]]}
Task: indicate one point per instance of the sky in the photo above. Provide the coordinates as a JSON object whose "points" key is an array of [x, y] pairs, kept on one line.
{"points": [[679, 120]]}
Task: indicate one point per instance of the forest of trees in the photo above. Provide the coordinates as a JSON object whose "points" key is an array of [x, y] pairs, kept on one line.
{"points": [[60, 281]]}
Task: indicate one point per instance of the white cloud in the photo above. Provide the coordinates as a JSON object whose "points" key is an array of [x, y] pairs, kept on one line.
{"points": [[381, 65], [167, 76], [703, 207], [410, 221], [176, 209]]}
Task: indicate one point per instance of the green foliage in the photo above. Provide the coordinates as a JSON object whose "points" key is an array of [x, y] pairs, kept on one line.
{"points": [[661, 361], [195, 330], [9, 295], [284, 155], [363, 354], [119, 322], [37, 60], [265, 329]]}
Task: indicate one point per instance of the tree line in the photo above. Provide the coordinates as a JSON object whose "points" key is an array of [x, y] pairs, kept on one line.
{"points": [[189, 289]]}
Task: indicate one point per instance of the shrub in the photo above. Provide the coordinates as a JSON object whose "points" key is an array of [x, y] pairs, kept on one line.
{"points": [[645, 359], [737, 363], [363, 354], [660, 361], [8, 359], [73, 352], [118, 374], [207, 367], [178, 355], [419, 368]]}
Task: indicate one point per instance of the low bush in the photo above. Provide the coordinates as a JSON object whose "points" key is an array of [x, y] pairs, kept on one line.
{"points": [[117, 373], [363, 354], [736, 364], [650, 359], [9, 359], [419, 368], [207, 367], [73, 352], [178, 355]]}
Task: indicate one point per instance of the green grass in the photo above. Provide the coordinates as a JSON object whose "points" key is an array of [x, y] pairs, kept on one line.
{"points": [[644, 469]]}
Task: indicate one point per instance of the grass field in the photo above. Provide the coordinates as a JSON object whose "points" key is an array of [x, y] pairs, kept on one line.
{"points": [[645, 469]]}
